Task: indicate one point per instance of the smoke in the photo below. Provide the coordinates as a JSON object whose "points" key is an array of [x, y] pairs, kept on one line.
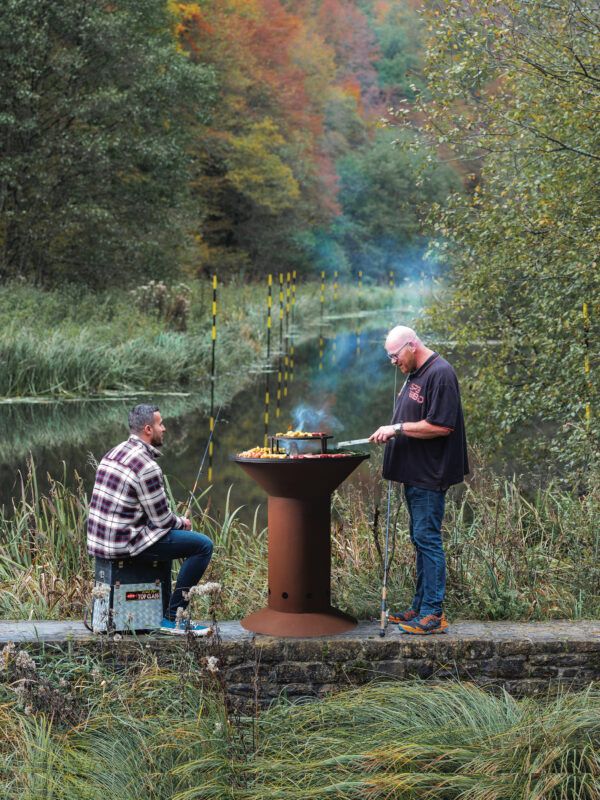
{"points": [[308, 418]]}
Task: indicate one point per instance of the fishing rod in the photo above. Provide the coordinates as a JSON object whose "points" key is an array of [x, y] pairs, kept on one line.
{"points": [[384, 611], [193, 492]]}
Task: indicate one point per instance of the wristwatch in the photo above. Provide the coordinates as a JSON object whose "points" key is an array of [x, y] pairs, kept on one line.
{"points": [[398, 428]]}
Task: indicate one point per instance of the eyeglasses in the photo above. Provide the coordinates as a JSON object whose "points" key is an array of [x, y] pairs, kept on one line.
{"points": [[393, 356]]}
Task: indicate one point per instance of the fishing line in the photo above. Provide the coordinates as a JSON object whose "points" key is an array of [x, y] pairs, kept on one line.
{"points": [[193, 492], [384, 614]]}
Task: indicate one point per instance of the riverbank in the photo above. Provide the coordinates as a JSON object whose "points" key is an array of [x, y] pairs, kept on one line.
{"points": [[71, 343]]}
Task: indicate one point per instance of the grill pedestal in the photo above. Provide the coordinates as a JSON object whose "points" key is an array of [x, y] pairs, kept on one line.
{"points": [[299, 518]]}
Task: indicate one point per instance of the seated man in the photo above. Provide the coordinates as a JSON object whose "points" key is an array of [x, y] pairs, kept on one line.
{"points": [[130, 514]]}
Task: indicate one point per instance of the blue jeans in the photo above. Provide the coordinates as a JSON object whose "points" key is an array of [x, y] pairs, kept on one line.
{"points": [[196, 548], [426, 511]]}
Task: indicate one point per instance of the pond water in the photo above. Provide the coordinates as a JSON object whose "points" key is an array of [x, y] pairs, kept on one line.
{"points": [[348, 391]]}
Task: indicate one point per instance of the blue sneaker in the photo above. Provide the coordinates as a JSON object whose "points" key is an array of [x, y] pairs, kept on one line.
{"points": [[170, 626]]}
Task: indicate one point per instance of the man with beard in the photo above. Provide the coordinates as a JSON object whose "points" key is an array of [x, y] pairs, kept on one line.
{"points": [[426, 450], [130, 514]]}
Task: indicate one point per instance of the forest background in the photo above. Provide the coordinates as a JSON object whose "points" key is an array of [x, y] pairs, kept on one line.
{"points": [[149, 141]]}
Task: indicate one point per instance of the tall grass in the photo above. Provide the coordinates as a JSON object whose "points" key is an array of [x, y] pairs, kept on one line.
{"points": [[509, 556], [62, 344], [169, 734]]}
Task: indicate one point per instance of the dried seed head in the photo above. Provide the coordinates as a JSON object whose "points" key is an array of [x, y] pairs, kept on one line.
{"points": [[205, 588], [212, 664], [25, 662]]}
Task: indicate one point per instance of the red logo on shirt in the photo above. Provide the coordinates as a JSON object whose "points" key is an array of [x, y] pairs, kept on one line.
{"points": [[414, 393]]}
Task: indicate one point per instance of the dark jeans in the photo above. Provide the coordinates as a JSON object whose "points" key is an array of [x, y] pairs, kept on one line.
{"points": [[195, 548], [426, 511]]}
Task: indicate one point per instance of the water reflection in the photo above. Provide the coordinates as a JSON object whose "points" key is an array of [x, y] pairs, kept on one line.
{"points": [[352, 386]]}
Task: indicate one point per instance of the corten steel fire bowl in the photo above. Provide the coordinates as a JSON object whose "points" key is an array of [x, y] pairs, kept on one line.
{"points": [[299, 518]]}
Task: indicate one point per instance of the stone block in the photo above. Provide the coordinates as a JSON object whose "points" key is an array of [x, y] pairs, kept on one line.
{"points": [[390, 669], [248, 673], [419, 668], [295, 690], [269, 650], [513, 668], [528, 687], [382, 649], [514, 647], [559, 660]]}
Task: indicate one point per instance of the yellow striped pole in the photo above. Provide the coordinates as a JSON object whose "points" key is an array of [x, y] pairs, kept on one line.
{"points": [[268, 364], [391, 279], [292, 325], [321, 340], [321, 349], [279, 362], [360, 277], [212, 379], [586, 361], [335, 286], [286, 357]]}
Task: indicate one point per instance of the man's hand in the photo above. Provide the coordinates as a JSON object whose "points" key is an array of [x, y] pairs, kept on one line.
{"points": [[187, 525], [383, 434]]}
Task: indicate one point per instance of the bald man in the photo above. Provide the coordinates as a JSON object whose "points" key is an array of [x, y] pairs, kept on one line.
{"points": [[426, 450]]}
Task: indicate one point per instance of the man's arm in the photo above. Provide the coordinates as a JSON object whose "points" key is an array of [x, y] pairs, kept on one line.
{"points": [[153, 499], [415, 430]]}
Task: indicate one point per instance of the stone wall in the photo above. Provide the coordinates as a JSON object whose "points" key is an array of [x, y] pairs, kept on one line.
{"points": [[315, 667], [523, 658]]}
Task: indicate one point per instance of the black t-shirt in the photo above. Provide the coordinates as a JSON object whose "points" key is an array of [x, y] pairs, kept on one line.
{"points": [[431, 393]]}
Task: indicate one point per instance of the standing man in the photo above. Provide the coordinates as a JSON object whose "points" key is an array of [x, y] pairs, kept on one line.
{"points": [[130, 514], [426, 450]]}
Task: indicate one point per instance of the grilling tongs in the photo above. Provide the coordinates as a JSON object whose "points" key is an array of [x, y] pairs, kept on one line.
{"points": [[353, 442]]}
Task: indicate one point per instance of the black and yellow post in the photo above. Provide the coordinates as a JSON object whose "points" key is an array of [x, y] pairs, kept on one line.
{"points": [[293, 303], [335, 297], [322, 304], [586, 362], [392, 281], [279, 360], [268, 362], [286, 348], [211, 445], [358, 331]]}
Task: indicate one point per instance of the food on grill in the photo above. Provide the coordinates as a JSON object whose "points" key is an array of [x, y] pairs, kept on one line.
{"points": [[300, 435], [266, 452], [261, 452]]}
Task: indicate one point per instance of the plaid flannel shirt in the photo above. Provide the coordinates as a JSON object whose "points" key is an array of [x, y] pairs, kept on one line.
{"points": [[129, 510]]}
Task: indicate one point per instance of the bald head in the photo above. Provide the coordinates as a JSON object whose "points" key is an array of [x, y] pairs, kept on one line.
{"points": [[405, 349], [399, 336]]}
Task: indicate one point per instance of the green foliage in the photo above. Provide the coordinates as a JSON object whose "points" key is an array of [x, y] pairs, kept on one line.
{"points": [[93, 128], [515, 88], [385, 194]]}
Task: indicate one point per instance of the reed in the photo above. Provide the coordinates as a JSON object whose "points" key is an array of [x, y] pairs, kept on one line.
{"points": [[55, 344], [510, 556]]}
